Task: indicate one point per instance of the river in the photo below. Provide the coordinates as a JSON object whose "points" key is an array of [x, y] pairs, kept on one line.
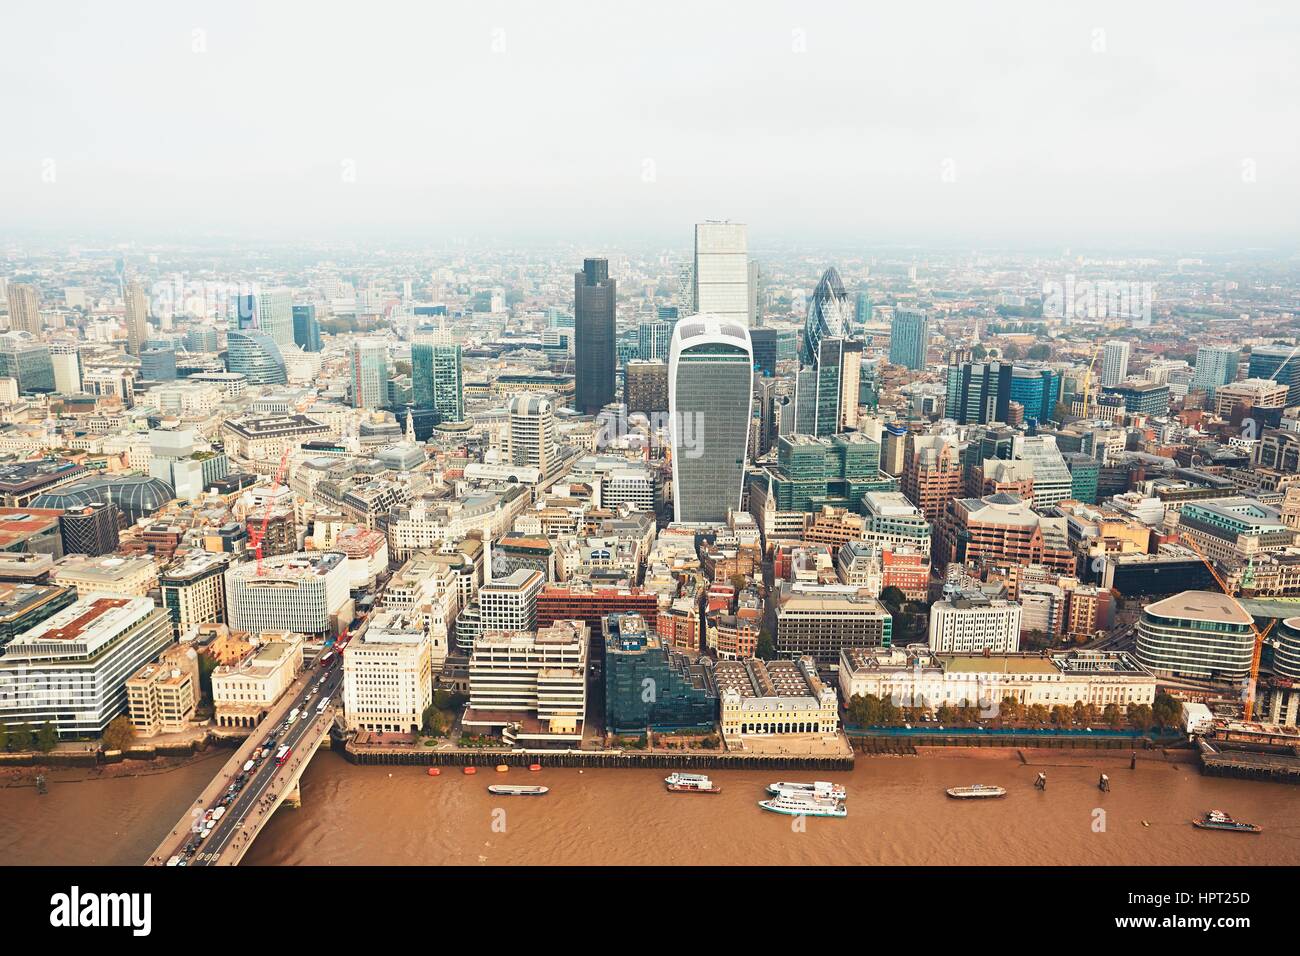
{"points": [[898, 814]]}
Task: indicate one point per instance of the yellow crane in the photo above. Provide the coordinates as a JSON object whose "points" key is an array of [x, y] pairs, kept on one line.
{"points": [[1087, 379], [1257, 653]]}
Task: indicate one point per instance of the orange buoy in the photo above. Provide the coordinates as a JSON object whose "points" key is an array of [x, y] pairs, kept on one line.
{"points": [[471, 770], [434, 771], [502, 768], [534, 767]]}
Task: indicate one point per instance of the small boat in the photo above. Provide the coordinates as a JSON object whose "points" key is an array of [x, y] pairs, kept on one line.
{"points": [[434, 771], [1218, 820], [502, 768], [470, 771], [534, 767], [690, 783], [820, 788], [975, 792], [805, 806], [508, 790]]}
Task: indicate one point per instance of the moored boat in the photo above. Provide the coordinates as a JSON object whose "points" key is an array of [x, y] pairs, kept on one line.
{"points": [[805, 806], [690, 783], [470, 771], [534, 767], [976, 791], [502, 768], [1218, 820], [512, 790], [821, 788]]}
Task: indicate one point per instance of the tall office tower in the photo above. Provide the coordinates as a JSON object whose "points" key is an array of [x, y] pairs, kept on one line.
{"points": [[1215, 367], [24, 308], [645, 386], [755, 295], [764, 344], [306, 328], [531, 436], [826, 388], [67, 368], [710, 391], [1114, 362], [685, 295], [275, 315], [862, 307], [722, 270], [369, 373], [909, 337], [1281, 363], [594, 295], [652, 340], [978, 392], [137, 318], [255, 355], [436, 380], [1038, 390]]}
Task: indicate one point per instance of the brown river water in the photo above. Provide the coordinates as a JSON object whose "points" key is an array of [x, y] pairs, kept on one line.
{"points": [[898, 814]]}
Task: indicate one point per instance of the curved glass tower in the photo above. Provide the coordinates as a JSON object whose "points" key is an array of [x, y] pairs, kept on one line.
{"points": [[826, 387], [710, 395], [255, 355]]}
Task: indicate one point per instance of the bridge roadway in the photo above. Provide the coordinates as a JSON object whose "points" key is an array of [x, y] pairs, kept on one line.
{"points": [[269, 783]]}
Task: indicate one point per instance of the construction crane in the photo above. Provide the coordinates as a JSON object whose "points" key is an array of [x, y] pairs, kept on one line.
{"points": [[1087, 379], [1257, 653], [266, 514]]}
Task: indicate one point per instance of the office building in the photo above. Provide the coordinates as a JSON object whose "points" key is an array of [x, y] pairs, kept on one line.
{"points": [[1001, 530], [388, 674], [932, 473], [634, 655], [1114, 362], [1203, 635], [158, 363], [764, 344], [1140, 398], [973, 624], [304, 592], [645, 387], [369, 373], [306, 328], [66, 364], [1281, 363], [721, 275], [25, 309], [826, 387], [1215, 367], [90, 529], [136, 318], [509, 603], [23, 606], [161, 697], [247, 683], [531, 438], [909, 338], [653, 339], [818, 623], [978, 392], [71, 670], [436, 381], [193, 588], [1245, 396], [135, 575], [774, 698], [27, 361], [255, 356], [530, 686], [1038, 391], [710, 396], [595, 297]]}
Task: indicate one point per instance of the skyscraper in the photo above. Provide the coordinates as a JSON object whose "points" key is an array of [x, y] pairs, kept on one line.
{"points": [[275, 315], [24, 308], [1215, 367], [594, 295], [306, 328], [978, 392], [369, 373], [137, 318], [721, 275], [436, 380], [255, 355], [652, 340], [826, 388], [710, 391], [67, 368], [532, 432], [1114, 362], [1281, 363], [909, 337]]}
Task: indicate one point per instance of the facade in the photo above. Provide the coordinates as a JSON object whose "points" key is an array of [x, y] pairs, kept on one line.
{"points": [[266, 437], [1234, 530], [388, 674], [24, 308], [932, 473], [774, 697], [1252, 393], [304, 592], [27, 361], [1002, 529], [532, 434], [530, 686], [1140, 398], [71, 670], [112, 573], [369, 373], [1198, 634], [255, 356], [509, 603], [645, 386], [595, 297], [978, 392], [306, 328], [137, 318], [194, 590], [436, 381], [826, 386], [970, 625], [817, 623], [1281, 363], [653, 338], [1215, 367], [710, 396], [721, 274], [1114, 362], [909, 338], [636, 659], [245, 688], [161, 697]]}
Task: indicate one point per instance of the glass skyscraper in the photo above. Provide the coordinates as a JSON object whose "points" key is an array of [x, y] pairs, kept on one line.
{"points": [[909, 338], [978, 392], [436, 380], [1277, 362], [710, 391], [721, 275], [1038, 390], [369, 374], [594, 296], [26, 360], [826, 387], [256, 356], [306, 328]]}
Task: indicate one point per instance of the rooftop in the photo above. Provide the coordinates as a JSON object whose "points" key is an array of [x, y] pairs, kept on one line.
{"points": [[1208, 606]]}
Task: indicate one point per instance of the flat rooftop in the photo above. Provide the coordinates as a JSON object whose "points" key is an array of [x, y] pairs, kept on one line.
{"points": [[996, 663], [1209, 606]]}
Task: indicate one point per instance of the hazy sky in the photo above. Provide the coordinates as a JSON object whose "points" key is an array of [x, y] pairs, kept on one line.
{"points": [[870, 122]]}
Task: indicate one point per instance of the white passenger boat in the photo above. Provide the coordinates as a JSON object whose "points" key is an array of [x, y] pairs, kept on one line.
{"points": [[821, 788], [690, 783], [805, 806], [977, 791], [512, 790]]}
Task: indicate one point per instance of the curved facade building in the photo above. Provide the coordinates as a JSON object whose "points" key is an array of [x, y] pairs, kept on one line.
{"points": [[826, 386], [136, 496], [829, 314], [299, 592], [1286, 650], [1198, 634], [710, 398], [256, 356]]}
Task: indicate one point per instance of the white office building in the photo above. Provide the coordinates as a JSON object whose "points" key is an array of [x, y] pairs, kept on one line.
{"points": [[1114, 362], [388, 674], [970, 625], [305, 592], [722, 270]]}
